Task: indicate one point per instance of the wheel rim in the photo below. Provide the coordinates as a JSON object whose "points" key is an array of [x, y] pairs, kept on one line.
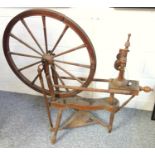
{"points": [[13, 57]]}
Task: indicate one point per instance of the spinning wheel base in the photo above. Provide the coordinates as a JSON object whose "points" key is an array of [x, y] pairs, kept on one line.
{"points": [[82, 117]]}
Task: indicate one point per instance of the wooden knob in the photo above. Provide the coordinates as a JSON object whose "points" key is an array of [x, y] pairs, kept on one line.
{"points": [[146, 89]]}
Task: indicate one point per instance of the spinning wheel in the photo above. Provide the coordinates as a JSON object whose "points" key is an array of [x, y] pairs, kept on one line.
{"points": [[18, 48], [64, 66]]}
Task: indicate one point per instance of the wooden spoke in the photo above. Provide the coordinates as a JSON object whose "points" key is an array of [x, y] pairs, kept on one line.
{"points": [[24, 43], [72, 63], [45, 32], [60, 37], [28, 66], [36, 77], [71, 50], [25, 55], [31, 34], [71, 75], [62, 82]]}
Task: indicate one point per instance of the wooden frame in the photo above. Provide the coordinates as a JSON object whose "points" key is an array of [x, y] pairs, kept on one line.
{"points": [[47, 65]]}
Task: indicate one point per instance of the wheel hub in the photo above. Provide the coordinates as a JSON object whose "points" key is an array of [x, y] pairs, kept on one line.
{"points": [[48, 58]]}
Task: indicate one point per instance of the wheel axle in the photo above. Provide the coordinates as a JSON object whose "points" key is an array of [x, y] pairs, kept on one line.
{"points": [[48, 58]]}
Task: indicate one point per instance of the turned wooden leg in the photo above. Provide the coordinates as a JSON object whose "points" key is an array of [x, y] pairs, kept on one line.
{"points": [[49, 118], [111, 121], [58, 120]]}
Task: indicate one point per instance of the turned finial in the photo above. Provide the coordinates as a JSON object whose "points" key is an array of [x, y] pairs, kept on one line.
{"points": [[127, 43], [145, 89]]}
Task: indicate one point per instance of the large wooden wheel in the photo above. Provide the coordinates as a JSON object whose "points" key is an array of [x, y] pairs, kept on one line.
{"points": [[34, 34]]}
